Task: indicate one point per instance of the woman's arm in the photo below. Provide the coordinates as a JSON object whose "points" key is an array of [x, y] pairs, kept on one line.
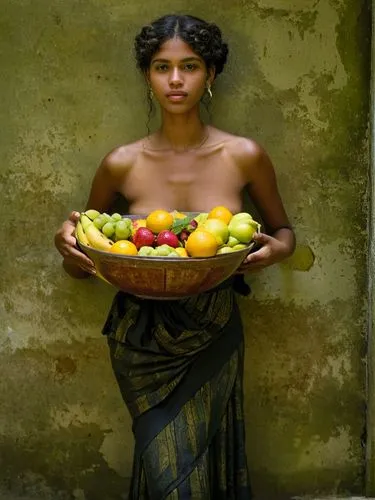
{"points": [[278, 240], [103, 191]]}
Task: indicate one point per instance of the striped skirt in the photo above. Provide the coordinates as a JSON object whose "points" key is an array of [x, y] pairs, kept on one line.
{"points": [[179, 367]]}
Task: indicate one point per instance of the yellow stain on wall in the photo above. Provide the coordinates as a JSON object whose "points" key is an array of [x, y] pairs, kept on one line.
{"points": [[302, 259]]}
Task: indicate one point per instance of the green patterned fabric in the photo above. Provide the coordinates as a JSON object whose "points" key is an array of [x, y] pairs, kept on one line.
{"points": [[179, 366]]}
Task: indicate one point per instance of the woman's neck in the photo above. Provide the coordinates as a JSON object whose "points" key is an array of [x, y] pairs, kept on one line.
{"points": [[182, 132]]}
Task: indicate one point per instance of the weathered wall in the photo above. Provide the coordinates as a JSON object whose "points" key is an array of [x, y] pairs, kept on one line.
{"points": [[297, 81]]}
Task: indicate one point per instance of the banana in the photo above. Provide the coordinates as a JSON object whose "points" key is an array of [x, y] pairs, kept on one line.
{"points": [[96, 238], [92, 214], [80, 234]]}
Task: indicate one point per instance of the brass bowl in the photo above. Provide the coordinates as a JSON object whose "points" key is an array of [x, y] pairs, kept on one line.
{"points": [[164, 277]]}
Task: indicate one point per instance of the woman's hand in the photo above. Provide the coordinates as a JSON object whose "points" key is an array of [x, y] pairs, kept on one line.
{"points": [[76, 263], [273, 249]]}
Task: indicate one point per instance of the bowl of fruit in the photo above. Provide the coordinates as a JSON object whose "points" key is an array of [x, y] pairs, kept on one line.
{"points": [[166, 255]]}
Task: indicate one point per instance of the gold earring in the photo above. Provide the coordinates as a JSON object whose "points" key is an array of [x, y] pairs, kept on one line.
{"points": [[209, 91], [150, 93]]}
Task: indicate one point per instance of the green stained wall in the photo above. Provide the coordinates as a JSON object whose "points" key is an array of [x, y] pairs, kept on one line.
{"points": [[298, 82]]}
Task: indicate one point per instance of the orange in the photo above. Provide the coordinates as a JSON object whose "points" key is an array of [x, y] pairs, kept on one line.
{"points": [[201, 243], [159, 220], [124, 247], [222, 213], [181, 252]]}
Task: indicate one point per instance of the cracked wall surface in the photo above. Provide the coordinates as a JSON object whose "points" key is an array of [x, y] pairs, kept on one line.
{"points": [[297, 81]]}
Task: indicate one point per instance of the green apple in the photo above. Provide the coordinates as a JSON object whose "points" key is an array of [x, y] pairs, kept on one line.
{"points": [[223, 250], [218, 228], [243, 232], [240, 246]]}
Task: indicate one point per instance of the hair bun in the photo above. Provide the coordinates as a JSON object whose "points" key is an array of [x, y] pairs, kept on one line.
{"points": [[204, 38]]}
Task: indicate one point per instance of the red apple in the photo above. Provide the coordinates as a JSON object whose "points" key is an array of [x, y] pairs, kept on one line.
{"points": [[167, 238], [143, 237]]}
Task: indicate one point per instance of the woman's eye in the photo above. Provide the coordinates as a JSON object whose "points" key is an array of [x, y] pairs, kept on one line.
{"points": [[162, 67], [190, 67]]}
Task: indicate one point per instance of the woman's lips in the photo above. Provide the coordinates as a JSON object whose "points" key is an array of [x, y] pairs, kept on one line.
{"points": [[176, 96]]}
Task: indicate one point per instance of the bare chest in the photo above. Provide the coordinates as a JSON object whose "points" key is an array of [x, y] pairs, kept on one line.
{"points": [[184, 182]]}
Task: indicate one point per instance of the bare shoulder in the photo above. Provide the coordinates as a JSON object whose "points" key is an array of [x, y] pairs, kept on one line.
{"points": [[120, 160], [247, 153], [245, 150]]}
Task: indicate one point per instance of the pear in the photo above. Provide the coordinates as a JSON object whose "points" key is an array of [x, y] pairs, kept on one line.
{"points": [[240, 217], [232, 241]]}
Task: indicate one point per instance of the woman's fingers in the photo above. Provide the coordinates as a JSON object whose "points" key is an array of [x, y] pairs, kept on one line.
{"points": [[74, 217], [256, 260], [83, 265], [79, 259], [66, 244], [245, 268], [261, 238]]}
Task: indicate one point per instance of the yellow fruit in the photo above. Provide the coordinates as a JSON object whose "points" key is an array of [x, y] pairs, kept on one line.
{"points": [[181, 252], [95, 237], [218, 228], [159, 220], [124, 247], [222, 213], [137, 224], [178, 215], [201, 243]]}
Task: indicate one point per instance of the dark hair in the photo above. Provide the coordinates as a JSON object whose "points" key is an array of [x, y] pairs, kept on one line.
{"points": [[204, 38]]}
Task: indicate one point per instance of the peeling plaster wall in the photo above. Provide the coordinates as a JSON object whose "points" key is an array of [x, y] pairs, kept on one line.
{"points": [[297, 81]]}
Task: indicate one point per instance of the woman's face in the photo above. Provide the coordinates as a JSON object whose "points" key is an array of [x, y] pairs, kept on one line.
{"points": [[178, 76]]}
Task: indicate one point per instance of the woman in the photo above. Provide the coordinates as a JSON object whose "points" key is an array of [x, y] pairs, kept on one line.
{"points": [[179, 363]]}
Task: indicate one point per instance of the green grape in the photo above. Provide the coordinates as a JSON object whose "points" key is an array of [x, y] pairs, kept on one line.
{"points": [[145, 251], [99, 221], [128, 222], [108, 229], [172, 253], [116, 217], [107, 217], [122, 230], [163, 250]]}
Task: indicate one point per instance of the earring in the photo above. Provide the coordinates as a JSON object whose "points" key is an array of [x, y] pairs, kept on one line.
{"points": [[209, 91], [150, 93]]}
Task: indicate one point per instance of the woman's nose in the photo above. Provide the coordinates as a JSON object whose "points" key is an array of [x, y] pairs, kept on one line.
{"points": [[175, 77]]}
